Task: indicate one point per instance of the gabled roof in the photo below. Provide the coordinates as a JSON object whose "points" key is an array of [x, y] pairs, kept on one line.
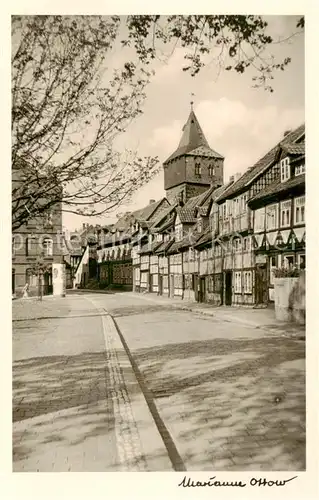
{"points": [[187, 213], [142, 215], [145, 213], [149, 248], [165, 225], [164, 246], [193, 141], [205, 238], [262, 164], [162, 216], [173, 248]]}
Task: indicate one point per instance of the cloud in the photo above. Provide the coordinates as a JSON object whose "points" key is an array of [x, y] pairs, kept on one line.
{"points": [[242, 134], [170, 67]]}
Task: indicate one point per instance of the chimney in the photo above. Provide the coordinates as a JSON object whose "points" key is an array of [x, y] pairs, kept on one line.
{"points": [[231, 178], [151, 201], [237, 176], [287, 132], [83, 225]]}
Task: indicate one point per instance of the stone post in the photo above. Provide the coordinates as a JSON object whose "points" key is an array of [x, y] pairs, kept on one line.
{"points": [[58, 279]]}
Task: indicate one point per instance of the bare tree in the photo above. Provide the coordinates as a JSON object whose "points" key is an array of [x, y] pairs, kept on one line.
{"points": [[67, 109], [69, 105]]}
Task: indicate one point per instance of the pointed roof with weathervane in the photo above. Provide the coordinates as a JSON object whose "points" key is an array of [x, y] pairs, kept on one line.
{"points": [[193, 141]]}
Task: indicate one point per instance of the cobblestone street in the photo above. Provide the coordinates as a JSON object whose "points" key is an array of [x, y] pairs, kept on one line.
{"points": [[185, 392]]}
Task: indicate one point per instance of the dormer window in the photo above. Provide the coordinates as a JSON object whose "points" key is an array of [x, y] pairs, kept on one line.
{"points": [[211, 171], [285, 169], [198, 169], [199, 225]]}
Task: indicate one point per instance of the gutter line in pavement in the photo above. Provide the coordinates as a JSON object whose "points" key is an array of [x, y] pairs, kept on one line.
{"points": [[174, 456]]}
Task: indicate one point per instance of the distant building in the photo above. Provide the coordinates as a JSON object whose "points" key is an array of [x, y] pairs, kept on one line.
{"points": [[193, 167], [39, 238]]}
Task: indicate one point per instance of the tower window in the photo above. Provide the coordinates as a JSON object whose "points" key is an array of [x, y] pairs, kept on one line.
{"points": [[198, 169], [211, 170]]}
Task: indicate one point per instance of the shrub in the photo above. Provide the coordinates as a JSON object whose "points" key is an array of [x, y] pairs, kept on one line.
{"points": [[283, 272]]}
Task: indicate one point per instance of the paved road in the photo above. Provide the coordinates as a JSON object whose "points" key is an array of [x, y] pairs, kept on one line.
{"points": [[226, 396]]}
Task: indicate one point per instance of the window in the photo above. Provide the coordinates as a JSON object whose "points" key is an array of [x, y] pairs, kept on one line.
{"points": [[285, 213], [301, 169], [236, 208], [285, 169], [48, 218], [218, 283], [211, 170], [13, 246], [237, 244], [47, 246], [199, 225], [259, 223], [300, 210], [30, 278], [210, 284], [186, 256], [272, 216], [224, 210], [198, 169], [218, 250], [30, 244], [247, 282], [238, 282], [289, 261], [272, 266], [302, 261], [246, 244]]}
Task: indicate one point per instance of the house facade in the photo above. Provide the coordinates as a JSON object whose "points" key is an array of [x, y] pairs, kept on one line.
{"points": [[211, 241], [279, 216]]}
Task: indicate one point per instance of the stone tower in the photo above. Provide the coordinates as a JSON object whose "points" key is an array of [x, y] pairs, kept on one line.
{"points": [[194, 166]]}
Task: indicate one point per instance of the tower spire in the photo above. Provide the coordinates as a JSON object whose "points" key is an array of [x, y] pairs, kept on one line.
{"points": [[192, 101]]}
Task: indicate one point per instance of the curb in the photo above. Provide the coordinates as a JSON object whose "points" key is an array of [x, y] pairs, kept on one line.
{"points": [[140, 444]]}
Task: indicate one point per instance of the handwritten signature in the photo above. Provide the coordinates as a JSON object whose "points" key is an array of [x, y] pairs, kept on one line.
{"points": [[187, 482]]}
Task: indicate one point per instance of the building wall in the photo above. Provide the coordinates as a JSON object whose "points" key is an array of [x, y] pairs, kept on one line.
{"points": [[27, 247], [164, 274], [176, 275]]}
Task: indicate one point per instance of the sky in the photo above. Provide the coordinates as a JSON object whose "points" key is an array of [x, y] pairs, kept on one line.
{"points": [[240, 122]]}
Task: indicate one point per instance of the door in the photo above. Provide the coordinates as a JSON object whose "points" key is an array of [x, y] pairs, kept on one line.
{"points": [[202, 289], [228, 288], [160, 284], [196, 287], [47, 284], [171, 285], [261, 285], [13, 281]]}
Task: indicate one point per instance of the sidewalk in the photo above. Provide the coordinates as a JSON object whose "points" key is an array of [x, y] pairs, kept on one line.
{"points": [[258, 318]]}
